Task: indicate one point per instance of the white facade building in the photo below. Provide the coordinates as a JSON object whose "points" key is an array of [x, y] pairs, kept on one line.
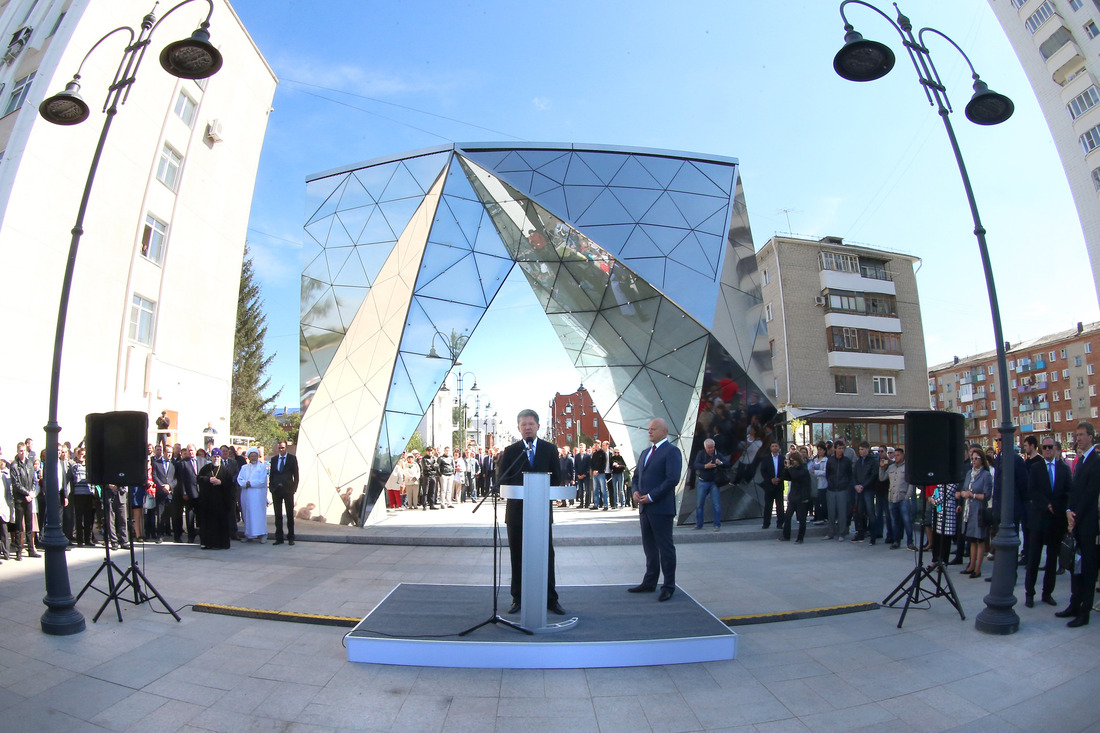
{"points": [[1058, 44], [153, 303]]}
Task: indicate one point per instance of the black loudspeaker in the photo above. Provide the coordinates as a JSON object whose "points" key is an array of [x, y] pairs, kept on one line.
{"points": [[116, 444], [933, 447]]}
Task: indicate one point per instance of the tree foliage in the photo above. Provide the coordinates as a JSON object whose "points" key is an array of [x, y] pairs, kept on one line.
{"points": [[249, 407]]}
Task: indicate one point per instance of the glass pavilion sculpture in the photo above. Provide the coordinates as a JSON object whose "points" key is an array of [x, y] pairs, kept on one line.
{"points": [[642, 260]]}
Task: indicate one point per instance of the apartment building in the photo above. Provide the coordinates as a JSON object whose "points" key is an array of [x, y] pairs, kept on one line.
{"points": [[1052, 381], [152, 311], [845, 335]]}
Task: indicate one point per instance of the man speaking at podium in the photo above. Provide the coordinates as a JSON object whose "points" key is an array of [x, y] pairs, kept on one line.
{"points": [[528, 455]]}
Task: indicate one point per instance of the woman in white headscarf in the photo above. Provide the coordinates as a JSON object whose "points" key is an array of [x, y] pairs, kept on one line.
{"points": [[252, 479]]}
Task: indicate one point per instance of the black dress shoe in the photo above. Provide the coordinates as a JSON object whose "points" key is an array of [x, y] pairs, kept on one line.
{"points": [[514, 608], [1066, 613], [1049, 601], [1079, 621], [277, 542], [1029, 601], [555, 607], [290, 542], [666, 593], [641, 589]]}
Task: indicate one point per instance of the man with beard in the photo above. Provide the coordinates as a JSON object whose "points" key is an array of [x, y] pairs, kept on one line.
{"points": [[215, 503]]}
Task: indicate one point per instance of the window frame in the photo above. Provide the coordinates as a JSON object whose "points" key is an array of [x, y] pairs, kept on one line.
{"points": [[139, 326], [878, 382], [165, 164]]}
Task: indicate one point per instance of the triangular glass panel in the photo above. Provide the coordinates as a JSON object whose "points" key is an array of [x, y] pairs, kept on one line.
{"points": [[718, 225], [402, 186], [426, 168], [666, 238], [696, 208], [377, 229], [467, 214], [519, 180], [674, 394], [692, 180], [579, 198], [633, 175], [322, 345], [318, 192], [649, 269], [438, 258], [579, 174], [375, 178], [318, 230], [511, 163], [318, 269], [683, 362], [311, 291], [448, 317], [664, 213], [445, 230], [324, 314], [538, 158], [354, 196], [353, 221], [540, 184], [721, 173], [690, 254], [427, 375], [604, 165], [373, 257], [488, 159], [458, 283], [398, 213], [491, 273], [690, 291], [661, 168], [336, 257], [555, 168], [402, 396], [640, 244], [553, 201], [541, 277], [611, 238], [338, 236], [351, 274], [637, 201], [348, 301], [606, 209], [329, 206]]}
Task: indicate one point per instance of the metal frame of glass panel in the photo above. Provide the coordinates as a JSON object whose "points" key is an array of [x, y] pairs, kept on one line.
{"points": [[641, 259]]}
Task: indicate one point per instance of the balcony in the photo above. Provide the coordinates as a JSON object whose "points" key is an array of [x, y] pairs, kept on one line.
{"points": [[1040, 365], [1027, 408], [1024, 368], [861, 360], [1043, 405], [1040, 385], [979, 377], [838, 280], [1024, 388]]}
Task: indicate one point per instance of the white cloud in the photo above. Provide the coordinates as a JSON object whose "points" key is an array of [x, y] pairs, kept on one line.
{"points": [[541, 103]]}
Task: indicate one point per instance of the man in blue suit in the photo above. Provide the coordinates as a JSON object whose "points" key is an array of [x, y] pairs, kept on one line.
{"points": [[655, 480]]}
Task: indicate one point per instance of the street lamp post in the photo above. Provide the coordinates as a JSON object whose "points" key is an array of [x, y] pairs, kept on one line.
{"points": [[191, 58], [863, 60], [462, 405]]}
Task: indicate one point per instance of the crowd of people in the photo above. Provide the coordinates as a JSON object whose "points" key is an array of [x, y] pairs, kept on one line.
{"points": [[210, 495], [436, 479]]}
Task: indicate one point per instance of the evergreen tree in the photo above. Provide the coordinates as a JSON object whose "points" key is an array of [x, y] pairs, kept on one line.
{"points": [[249, 408]]}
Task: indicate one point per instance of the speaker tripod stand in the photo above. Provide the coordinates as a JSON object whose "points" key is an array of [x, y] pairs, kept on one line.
{"points": [[938, 579], [130, 578]]}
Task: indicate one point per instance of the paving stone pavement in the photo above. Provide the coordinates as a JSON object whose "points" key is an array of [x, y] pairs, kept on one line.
{"points": [[839, 673]]}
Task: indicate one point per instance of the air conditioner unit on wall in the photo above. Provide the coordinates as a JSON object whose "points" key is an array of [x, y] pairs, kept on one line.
{"points": [[214, 131], [18, 41], [819, 300]]}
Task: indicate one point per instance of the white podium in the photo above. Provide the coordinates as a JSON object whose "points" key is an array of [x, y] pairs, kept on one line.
{"points": [[536, 495]]}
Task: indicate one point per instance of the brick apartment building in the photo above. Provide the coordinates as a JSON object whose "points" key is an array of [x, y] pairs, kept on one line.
{"points": [[1052, 379], [574, 419]]}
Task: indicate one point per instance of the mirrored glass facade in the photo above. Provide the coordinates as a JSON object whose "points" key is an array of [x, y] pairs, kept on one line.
{"points": [[642, 261]]}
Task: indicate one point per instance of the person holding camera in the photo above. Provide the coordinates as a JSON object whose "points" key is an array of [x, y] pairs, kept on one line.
{"points": [[708, 463], [799, 497]]}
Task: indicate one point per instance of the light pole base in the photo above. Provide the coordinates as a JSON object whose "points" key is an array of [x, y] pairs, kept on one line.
{"points": [[998, 621], [63, 621]]}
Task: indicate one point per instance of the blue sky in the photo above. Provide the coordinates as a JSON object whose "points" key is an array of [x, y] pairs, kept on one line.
{"points": [[867, 162]]}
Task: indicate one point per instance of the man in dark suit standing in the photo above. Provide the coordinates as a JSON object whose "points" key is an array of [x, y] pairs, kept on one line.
{"points": [[1081, 516], [185, 494], [1048, 489], [528, 455], [655, 480], [283, 482], [772, 472]]}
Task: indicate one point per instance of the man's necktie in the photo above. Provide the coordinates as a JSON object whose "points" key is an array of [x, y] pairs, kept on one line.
{"points": [[1050, 470], [651, 452], [282, 460], [531, 455]]}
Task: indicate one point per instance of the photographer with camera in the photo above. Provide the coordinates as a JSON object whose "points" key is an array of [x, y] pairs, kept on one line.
{"points": [[708, 463]]}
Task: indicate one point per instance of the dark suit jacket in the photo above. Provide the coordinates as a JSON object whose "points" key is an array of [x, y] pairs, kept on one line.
{"points": [[285, 480], [767, 469], [1042, 495], [186, 485], [512, 464], [568, 471], [658, 478], [1084, 493]]}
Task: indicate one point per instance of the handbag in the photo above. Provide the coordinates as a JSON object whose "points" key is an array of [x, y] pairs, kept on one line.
{"points": [[721, 477], [987, 517]]}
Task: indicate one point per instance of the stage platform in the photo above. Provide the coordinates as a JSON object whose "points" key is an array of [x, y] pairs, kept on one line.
{"points": [[418, 625]]}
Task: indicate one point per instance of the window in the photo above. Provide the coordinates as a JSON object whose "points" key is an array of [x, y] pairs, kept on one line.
{"points": [[1090, 370], [142, 314], [1018, 3], [883, 385], [56, 25], [1078, 361], [1074, 5], [1055, 397], [1080, 382], [1040, 16], [839, 262], [1091, 30], [569, 409], [595, 423], [1065, 394], [1065, 374], [1057, 416], [1093, 412], [767, 276], [19, 93], [568, 423], [881, 305], [1092, 390], [1057, 39], [949, 388], [768, 313], [153, 239], [185, 108], [771, 348], [1069, 414], [1088, 348], [1083, 102], [1062, 354], [168, 168], [1090, 140], [1054, 376], [845, 383], [875, 269]]}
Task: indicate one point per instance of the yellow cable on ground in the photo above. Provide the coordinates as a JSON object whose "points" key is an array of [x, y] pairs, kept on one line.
{"points": [[767, 618]]}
